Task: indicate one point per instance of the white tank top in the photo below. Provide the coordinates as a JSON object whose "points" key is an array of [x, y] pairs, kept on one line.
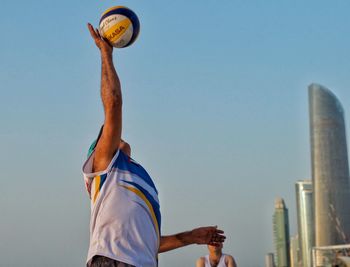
{"points": [[220, 264], [125, 214]]}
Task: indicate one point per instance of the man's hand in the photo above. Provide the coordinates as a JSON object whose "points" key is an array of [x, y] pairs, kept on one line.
{"points": [[100, 42], [210, 235]]}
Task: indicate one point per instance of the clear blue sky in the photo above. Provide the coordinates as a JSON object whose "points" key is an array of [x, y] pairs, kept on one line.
{"points": [[215, 108]]}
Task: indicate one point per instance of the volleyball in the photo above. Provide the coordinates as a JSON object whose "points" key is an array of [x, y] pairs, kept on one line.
{"points": [[120, 26]]}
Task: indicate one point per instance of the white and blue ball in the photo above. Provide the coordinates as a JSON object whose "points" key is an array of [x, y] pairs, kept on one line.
{"points": [[120, 26]]}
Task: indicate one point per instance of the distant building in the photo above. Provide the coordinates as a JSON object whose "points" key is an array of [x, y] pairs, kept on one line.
{"points": [[330, 168], [303, 190], [281, 234], [269, 260], [294, 251], [331, 256]]}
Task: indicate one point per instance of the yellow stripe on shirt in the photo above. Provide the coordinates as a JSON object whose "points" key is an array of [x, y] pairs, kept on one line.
{"points": [[143, 197], [97, 181]]}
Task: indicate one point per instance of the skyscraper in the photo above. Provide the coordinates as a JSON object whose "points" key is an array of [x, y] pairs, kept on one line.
{"points": [[303, 190], [294, 251], [330, 169], [269, 260], [281, 234]]}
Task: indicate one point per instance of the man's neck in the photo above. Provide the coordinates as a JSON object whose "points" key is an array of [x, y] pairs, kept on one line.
{"points": [[215, 255]]}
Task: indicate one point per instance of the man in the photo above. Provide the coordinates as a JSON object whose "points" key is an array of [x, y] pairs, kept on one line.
{"points": [[125, 213], [216, 258]]}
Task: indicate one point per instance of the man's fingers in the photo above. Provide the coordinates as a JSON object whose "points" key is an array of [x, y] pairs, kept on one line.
{"points": [[215, 229], [98, 33], [216, 238], [221, 239], [92, 32], [210, 235], [100, 38]]}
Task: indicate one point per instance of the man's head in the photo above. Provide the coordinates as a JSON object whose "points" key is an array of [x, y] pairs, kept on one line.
{"points": [[125, 147]]}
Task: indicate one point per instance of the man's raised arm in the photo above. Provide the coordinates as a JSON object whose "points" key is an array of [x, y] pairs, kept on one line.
{"points": [[112, 103]]}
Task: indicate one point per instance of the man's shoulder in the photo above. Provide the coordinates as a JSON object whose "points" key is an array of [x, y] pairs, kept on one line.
{"points": [[200, 262], [229, 259]]}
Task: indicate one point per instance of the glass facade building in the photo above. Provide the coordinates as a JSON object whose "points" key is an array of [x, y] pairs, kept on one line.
{"points": [[294, 251], [269, 260], [330, 169], [304, 199], [281, 234]]}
